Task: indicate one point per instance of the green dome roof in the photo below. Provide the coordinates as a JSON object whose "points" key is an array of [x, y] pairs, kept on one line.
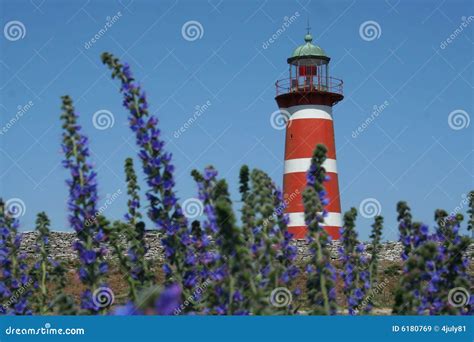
{"points": [[308, 49]]}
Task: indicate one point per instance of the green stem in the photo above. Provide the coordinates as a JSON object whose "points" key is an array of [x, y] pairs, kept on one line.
{"points": [[322, 279]]}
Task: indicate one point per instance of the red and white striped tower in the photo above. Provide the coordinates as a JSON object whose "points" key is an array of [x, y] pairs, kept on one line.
{"points": [[306, 98]]}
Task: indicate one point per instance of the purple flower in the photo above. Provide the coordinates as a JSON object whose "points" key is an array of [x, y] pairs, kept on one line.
{"points": [[89, 257], [238, 297], [12, 264], [82, 202], [355, 272], [103, 267], [164, 210], [169, 300], [127, 310], [82, 274], [167, 269]]}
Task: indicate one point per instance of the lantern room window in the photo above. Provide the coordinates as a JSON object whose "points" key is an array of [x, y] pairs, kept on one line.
{"points": [[307, 70], [307, 75]]}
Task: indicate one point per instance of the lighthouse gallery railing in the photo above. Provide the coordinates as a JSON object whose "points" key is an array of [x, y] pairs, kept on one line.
{"points": [[308, 84]]}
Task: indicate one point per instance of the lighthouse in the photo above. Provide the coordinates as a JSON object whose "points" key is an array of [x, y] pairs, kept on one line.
{"points": [[307, 98]]}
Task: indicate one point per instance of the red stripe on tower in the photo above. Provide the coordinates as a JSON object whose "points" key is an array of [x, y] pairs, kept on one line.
{"points": [[307, 98]]}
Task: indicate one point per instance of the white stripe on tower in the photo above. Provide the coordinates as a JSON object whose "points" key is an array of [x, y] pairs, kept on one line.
{"points": [[303, 164], [309, 112], [332, 220]]}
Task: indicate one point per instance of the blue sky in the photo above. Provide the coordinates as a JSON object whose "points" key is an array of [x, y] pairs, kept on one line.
{"points": [[413, 150]]}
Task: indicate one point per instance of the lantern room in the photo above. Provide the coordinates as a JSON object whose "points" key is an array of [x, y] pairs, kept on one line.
{"points": [[309, 71]]}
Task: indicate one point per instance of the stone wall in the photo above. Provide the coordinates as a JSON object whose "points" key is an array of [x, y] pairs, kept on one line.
{"points": [[61, 247]]}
